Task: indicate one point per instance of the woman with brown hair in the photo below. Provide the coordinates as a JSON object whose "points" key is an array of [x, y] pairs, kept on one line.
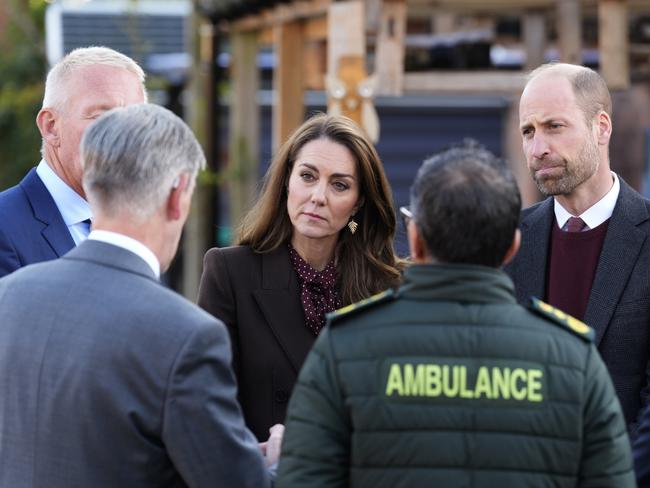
{"points": [[319, 237]]}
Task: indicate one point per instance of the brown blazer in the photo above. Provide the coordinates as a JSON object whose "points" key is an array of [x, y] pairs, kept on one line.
{"points": [[258, 298]]}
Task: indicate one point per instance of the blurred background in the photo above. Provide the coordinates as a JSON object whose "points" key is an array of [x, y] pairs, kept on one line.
{"points": [[246, 73]]}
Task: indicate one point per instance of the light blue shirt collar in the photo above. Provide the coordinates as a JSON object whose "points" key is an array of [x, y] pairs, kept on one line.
{"points": [[595, 215], [73, 208]]}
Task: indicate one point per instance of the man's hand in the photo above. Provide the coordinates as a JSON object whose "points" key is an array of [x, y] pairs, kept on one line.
{"points": [[271, 448]]}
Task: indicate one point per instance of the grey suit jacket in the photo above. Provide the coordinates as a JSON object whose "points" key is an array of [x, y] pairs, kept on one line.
{"points": [[108, 379], [619, 304]]}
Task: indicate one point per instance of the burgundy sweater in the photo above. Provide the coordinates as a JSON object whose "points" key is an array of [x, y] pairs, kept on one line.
{"points": [[572, 261]]}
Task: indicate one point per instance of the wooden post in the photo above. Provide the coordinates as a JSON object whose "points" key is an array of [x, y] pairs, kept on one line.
{"points": [[196, 236], [569, 31], [534, 38], [288, 108], [346, 33], [613, 43], [244, 124], [389, 64]]}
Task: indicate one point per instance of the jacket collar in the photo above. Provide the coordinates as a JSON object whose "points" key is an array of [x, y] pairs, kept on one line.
{"points": [[457, 282], [55, 231], [529, 266], [279, 301], [621, 248], [111, 256]]}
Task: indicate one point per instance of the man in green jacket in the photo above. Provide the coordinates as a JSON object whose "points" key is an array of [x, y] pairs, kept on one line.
{"points": [[447, 381]]}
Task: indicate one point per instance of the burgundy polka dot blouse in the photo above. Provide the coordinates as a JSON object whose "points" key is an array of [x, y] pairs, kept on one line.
{"points": [[317, 290]]}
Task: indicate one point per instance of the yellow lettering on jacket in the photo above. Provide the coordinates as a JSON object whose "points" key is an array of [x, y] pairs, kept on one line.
{"points": [[453, 381]]}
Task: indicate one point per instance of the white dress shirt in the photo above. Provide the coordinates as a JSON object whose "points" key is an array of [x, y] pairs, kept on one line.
{"points": [[595, 215], [130, 244], [73, 208]]}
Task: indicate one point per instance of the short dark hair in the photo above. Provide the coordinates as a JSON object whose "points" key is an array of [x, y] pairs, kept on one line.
{"points": [[465, 204]]}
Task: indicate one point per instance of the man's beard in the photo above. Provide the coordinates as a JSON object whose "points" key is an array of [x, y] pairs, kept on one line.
{"points": [[575, 172]]}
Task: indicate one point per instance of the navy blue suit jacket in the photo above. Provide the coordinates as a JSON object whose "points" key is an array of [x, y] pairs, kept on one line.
{"points": [[31, 226]]}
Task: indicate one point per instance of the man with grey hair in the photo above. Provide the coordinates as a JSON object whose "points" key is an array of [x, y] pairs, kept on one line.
{"points": [[47, 214], [107, 377], [586, 248]]}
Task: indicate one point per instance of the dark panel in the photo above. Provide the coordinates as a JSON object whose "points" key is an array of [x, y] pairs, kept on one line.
{"points": [[134, 35]]}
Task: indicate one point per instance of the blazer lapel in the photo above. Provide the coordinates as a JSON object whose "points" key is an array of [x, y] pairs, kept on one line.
{"points": [[530, 270], [280, 304], [621, 248], [55, 232]]}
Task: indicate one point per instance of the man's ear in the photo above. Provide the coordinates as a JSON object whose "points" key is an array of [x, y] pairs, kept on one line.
{"points": [[46, 121], [417, 247], [604, 122], [514, 247], [174, 203]]}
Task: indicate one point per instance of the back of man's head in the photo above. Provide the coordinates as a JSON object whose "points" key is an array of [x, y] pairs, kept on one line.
{"points": [[56, 94], [134, 156], [465, 206]]}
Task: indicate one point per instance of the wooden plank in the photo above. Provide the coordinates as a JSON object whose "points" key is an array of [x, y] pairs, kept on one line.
{"points": [[288, 109], [613, 43], [316, 28], [569, 31], [296, 10], [265, 37], [315, 64], [464, 82], [534, 33], [389, 60], [346, 33], [373, 16], [243, 167]]}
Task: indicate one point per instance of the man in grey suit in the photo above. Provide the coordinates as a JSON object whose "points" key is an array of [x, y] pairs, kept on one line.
{"points": [[586, 249], [107, 378]]}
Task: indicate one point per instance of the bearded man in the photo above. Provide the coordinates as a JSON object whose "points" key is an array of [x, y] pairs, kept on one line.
{"points": [[585, 249]]}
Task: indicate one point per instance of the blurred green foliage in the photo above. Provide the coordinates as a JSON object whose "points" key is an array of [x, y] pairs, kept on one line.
{"points": [[22, 74]]}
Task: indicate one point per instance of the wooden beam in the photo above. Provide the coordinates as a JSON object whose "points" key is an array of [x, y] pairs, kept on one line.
{"points": [[265, 37], [389, 59], [569, 31], [243, 167], [464, 82], [613, 43], [315, 64], [296, 10], [316, 28], [288, 109], [346, 33], [534, 33]]}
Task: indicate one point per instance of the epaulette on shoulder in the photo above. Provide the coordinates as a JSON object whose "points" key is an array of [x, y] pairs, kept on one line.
{"points": [[353, 308], [566, 321]]}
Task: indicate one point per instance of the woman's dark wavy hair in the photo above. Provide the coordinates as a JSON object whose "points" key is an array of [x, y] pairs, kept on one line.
{"points": [[366, 261]]}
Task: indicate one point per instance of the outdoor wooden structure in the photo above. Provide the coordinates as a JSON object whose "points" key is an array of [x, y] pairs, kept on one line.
{"points": [[310, 37]]}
